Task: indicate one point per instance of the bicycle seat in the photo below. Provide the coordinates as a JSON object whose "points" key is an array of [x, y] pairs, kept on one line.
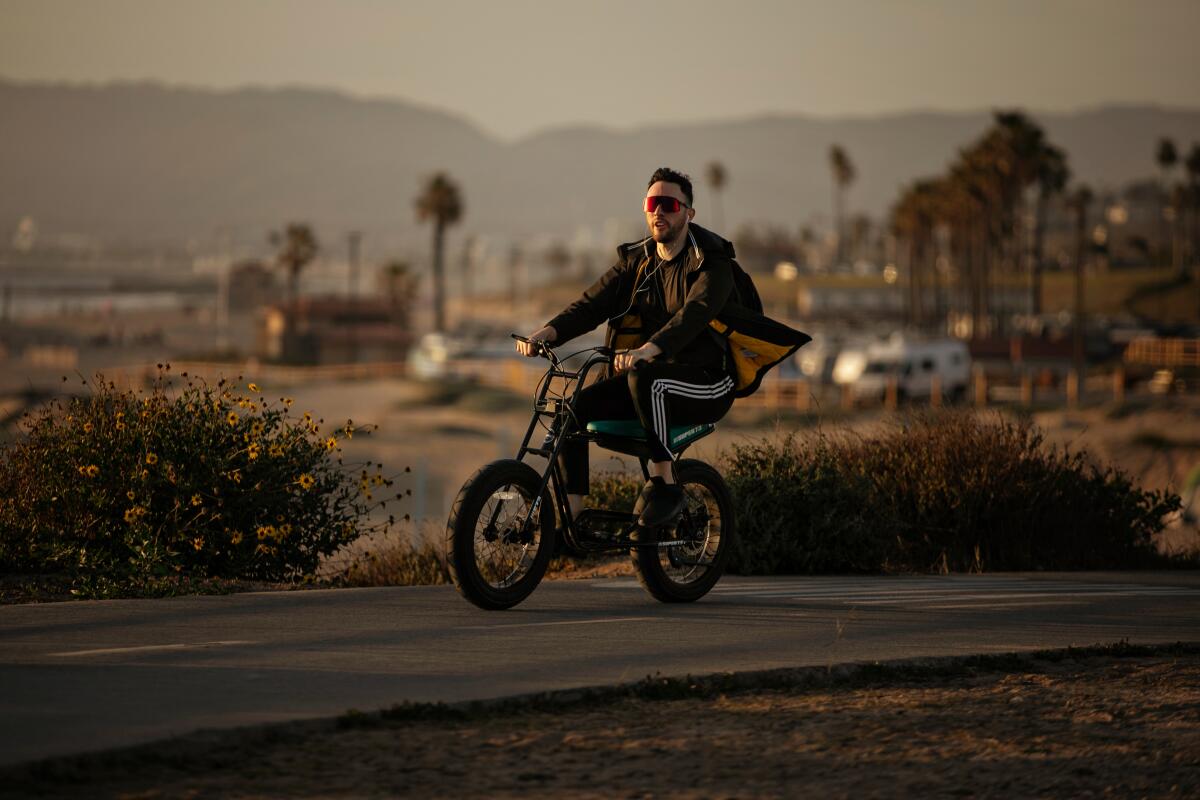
{"points": [[631, 429]]}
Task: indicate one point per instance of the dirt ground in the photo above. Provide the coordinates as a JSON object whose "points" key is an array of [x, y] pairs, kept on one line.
{"points": [[1096, 726]]}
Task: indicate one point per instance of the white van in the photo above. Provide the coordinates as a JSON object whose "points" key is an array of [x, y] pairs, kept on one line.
{"points": [[914, 363]]}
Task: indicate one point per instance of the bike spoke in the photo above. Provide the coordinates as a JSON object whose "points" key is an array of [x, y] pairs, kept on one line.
{"points": [[502, 559], [701, 525]]}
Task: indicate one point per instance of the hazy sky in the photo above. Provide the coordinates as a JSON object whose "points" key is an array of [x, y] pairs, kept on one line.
{"points": [[518, 66]]}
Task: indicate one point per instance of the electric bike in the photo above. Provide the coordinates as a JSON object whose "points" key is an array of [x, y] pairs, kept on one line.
{"points": [[509, 517]]}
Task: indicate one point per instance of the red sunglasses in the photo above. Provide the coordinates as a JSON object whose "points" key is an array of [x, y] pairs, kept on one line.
{"points": [[666, 203]]}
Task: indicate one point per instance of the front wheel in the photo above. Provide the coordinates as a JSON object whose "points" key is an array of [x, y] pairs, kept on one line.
{"points": [[496, 551], [691, 564]]}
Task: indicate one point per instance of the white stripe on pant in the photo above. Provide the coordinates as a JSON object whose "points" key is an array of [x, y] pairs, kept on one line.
{"points": [[658, 400]]}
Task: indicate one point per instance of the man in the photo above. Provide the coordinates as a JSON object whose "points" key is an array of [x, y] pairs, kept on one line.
{"points": [[658, 301]]}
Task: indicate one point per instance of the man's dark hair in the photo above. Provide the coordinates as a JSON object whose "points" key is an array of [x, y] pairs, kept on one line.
{"points": [[671, 176]]}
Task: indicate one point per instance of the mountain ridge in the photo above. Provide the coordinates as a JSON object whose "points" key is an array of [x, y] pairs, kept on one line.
{"points": [[127, 157]]}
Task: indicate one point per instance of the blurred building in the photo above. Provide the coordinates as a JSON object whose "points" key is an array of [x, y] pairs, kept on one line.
{"points": [[333, 331], [252, 284]]}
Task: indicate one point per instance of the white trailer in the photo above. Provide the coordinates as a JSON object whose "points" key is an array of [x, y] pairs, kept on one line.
{"points": [[913, 363]]}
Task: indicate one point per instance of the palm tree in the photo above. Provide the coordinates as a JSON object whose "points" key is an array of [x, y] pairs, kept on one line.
{"points": [[442, 203], [1166, 156], [717, 178], [843, 176], [912, 222], [297, 247], [1053, 174], [1192, 166], [1079, 202]]}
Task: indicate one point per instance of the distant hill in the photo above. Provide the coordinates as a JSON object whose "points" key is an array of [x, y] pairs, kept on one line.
{"points": [[136, 160]]}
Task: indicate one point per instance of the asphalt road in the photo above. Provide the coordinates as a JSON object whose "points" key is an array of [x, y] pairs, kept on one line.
{"points": [[92, 675]]}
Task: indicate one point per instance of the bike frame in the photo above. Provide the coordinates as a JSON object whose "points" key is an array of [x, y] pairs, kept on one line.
{"points": [[561, 411]]}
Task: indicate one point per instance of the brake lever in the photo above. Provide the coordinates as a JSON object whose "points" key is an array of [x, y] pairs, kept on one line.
{"points": [[542, 347]]}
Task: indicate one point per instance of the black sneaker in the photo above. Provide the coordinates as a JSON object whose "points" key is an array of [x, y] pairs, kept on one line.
{"points": [[663, 503]]}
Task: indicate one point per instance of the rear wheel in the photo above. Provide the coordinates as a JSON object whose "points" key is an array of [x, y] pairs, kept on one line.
{"points": [[685, 572], [494, 557]]}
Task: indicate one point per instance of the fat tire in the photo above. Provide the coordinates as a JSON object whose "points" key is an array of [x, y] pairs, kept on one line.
{"points": [[646, 559], [459, 544]]}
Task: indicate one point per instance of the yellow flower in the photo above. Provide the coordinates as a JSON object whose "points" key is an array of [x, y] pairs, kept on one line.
{"points": [[120, 426], [256, 428], [196, 500], [252, 387], [252, 452], [133, 513], [275, 451], [287, 401], [235, 476], [151, 459], [262, 548], [90, 471], [263, 531], [306, 481], [232, 419], [198, 543], [87, 427], [191, 408], [307, 417], [330, 443], [236, 537], [349, 429], [130, 494]]}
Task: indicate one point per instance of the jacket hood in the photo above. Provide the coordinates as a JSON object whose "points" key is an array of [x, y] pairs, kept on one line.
{"points": [[711, 243]]}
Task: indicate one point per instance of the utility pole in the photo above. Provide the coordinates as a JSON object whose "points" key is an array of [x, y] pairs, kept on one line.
{"points": [[465, 276], [1080, 202], [353, 239]]}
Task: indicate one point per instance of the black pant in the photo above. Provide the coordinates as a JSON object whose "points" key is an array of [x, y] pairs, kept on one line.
{"points": [[659, 395]]}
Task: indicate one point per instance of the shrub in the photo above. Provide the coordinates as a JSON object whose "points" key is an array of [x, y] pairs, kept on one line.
{"points": [[943, 491], [120, 485], [799, 511], [614, 491]]}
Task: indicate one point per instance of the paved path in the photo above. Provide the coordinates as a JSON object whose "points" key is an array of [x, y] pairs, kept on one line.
{"points": [[90, 675]]}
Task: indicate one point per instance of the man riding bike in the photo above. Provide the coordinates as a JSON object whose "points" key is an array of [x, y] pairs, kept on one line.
{"points": [[672, 367]]}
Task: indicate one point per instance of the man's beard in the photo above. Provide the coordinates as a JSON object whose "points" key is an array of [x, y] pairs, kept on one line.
{"points": [[668, 234]]}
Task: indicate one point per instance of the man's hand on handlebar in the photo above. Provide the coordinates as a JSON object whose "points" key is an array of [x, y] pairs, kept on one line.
{"points": [[529, 348], [630, 358]]}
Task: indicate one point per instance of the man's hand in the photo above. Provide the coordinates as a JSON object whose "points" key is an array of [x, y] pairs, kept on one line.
{"points": [[528, 349], [625, 361]]}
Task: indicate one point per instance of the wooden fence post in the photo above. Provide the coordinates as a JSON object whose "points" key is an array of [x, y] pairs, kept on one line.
{"points": [[935, 391], [1118, 384], [890, 395], [802, 398], [1026, 388], [981, 389], [1072, 389]]}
